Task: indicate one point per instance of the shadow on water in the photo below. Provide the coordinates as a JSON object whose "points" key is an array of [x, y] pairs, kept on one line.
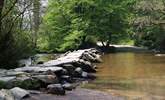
{"points": [[131, 74]]}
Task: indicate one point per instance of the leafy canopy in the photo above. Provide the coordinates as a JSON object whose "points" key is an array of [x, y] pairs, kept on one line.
{"points": [[69, 24]]}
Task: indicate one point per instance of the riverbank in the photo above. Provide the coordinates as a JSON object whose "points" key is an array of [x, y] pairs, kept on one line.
{"points": [[129, 48], [125, 48]]}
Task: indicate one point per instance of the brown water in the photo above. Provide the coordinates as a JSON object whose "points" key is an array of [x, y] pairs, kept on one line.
{"points": [[138, 76]]}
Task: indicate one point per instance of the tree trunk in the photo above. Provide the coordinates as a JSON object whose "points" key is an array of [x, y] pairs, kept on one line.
{"points": [[102, 43], [108, 43], [109, 40], [83, 39], [1, 8], [36, 20]]}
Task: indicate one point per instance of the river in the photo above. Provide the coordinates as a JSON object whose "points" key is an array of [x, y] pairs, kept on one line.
{"points": [[136, 76], [139, 76]]}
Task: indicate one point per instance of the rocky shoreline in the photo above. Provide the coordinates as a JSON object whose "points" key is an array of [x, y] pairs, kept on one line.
{"points": [[53, 77]]}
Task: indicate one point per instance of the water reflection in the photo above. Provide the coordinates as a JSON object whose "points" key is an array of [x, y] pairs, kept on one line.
{"points": [[137, 72]]}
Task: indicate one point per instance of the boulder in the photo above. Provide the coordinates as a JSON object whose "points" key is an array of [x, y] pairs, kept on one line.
{"points": [[48, 79], [25, 82], [68, 86], [2, 95], [84, 74], [78, 71], [49, 72], [6, 82], [69, 67], [94, 50], [2, 72], [95, 67], [98, 59], [88, 57], [23, 78], [7, 78], [17, 82], [19, 93], [92, 57], [65, 78], [86, 66], [88, 75], [15, 73], [56, 89], [6, 95], [64, 72]]}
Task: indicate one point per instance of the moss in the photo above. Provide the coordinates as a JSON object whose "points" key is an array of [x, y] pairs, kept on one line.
{"points": [[28, 84], [2, 84]]}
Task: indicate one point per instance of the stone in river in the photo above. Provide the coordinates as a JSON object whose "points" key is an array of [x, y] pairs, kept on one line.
{"points": [[6, 95], [7, 78], [69, 67], [79, 70], [66, 78], [84, 74], [88, 75], [68, 86], [86, 66], [56, 89], [19, 93], [49, 79]]}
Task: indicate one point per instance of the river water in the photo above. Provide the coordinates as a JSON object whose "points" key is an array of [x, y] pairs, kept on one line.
{"points": [[138, 76]]}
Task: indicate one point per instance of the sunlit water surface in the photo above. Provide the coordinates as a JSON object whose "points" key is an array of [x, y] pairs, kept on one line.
{"points": [[137, 76]]}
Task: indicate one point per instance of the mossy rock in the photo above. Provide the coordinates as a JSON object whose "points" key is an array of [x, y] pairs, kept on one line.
{"points": [[2, 84], [28, 84]]}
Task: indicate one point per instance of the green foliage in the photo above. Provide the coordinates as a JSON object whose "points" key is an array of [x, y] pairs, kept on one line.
{"points": [[16, 49], [69, 24], [149, 24], [71, 41], [2, 84], [15, 42]]}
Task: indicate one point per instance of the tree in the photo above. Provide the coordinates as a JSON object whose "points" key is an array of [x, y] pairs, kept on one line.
{"points": [[150, 24], [1, 8], [14, 40], [36, 20], [71, 23]]}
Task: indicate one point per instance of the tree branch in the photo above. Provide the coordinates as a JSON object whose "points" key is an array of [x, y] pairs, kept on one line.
{"points": [[13, 22], [3, 16]]}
